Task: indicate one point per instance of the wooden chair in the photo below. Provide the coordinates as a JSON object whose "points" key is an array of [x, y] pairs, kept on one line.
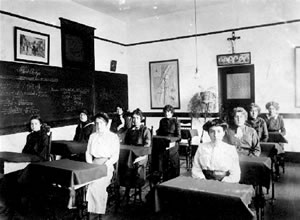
{"points": [[186, 138], [137, 182]]}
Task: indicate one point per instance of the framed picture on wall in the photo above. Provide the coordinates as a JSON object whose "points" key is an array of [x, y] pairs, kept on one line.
{"points": [[164, 83], [31, 46], [297, 76]]}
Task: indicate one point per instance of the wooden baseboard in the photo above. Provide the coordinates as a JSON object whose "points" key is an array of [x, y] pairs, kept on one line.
{"points": [[293, 157]]}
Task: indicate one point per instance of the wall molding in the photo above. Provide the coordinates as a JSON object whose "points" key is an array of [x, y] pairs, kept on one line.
{"points": [[212, 115], [158, 40]]}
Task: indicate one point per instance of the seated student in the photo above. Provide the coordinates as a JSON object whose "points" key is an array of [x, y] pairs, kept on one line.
{"points": [[12, 191], [216, 159], [138, 134], [121, 122], [169, 126], [275, 123], [273, 120], [242, 136], [84, 128], [103, 148], [38, 140], [257, 123]]}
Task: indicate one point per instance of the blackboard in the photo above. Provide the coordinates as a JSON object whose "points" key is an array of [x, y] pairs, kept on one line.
{"points": [[111, 89], [56, 94]]}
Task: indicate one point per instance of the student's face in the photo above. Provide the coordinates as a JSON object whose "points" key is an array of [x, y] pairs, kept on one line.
{"points": [[83, 117], [119, 110], [239, 119], [101, 125], [168, 114], [35, 125], [136, 120], [253, 113], [272, 110], [216, 133]]}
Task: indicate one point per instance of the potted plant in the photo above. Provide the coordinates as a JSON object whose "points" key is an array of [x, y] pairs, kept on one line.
{"points": [[202, 103]]}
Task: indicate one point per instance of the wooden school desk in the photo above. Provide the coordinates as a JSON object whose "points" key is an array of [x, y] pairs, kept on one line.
{"points": [[207, 199], [65, 173]]}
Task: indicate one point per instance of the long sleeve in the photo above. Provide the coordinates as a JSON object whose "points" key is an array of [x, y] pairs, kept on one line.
{"points": [[235, 170], [178, 129], [265, 133], [197, 169], [88, 155], [217, 158], [282, 127], [103, 146], [147, 138], [255, 149], [115, 145]]}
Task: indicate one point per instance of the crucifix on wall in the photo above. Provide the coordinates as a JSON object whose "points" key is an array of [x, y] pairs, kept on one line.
{"points": [[233, 39]]}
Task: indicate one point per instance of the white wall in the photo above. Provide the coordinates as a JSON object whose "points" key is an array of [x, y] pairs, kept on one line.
{"points": [[271, 47], [49, 12]]}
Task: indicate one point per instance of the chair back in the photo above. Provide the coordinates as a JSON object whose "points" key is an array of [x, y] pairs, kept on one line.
{"points": [[185, 123], [50, 157]]}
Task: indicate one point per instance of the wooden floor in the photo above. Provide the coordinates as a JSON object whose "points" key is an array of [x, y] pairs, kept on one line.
{"points": [[285, 207], [287, 194]]}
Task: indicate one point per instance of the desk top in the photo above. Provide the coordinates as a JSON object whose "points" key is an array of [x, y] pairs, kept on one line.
{"points": [[211, 191], [276, 137], [269, 149], [241, 191], [137, 150], [170, 139], [18, 157], [65, 148], [255, 170], [65, 172]]}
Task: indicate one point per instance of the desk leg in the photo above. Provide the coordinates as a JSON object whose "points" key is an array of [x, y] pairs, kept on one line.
{"points": [[273, 181], [259, 202]]}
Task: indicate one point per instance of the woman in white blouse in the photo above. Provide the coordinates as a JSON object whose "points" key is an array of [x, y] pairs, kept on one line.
{"points": [[103, 148], [216, 159]]}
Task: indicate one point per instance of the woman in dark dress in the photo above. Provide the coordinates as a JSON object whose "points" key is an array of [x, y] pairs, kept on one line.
{"points": [[137, 135], [169, 126], [275, 123], [85, 127], [121, 122], [257, 122], [37, 141], [13, 191]]}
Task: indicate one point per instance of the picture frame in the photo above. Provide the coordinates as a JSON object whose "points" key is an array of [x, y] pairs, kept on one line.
{"points": [[164, 83], [297, 77], [234, 59], [31, 46]]}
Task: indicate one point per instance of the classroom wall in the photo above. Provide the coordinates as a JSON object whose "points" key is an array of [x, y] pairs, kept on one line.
{"points": [[272, 52], [271, 47], [49, 12]]}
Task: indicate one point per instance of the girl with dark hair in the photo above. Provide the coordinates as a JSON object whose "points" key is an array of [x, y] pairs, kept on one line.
{"points": [[84, 128], [138, 134], [103, 148], [170, 126], [216, 159], [38, 140], [121, 122], [257, 123]]}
